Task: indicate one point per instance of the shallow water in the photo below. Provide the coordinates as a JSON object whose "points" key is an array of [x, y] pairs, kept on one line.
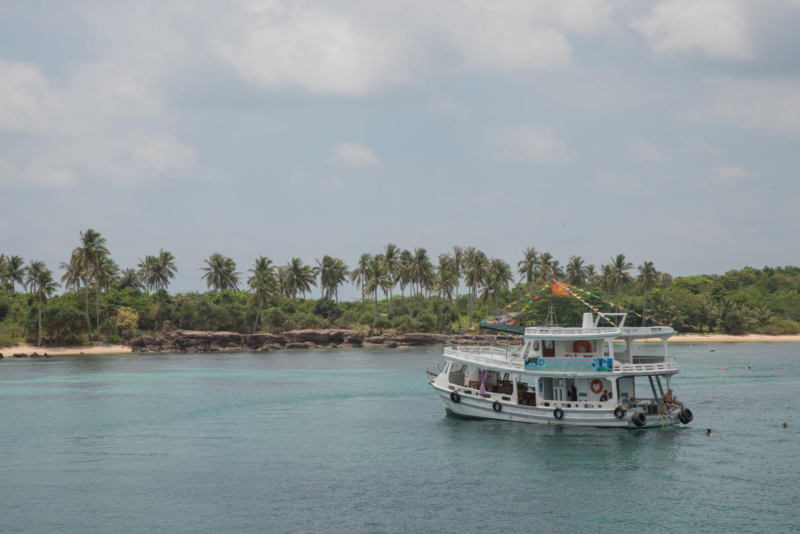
{"points": [[356, 441]]}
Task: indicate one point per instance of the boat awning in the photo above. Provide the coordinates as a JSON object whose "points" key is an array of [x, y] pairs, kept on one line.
{"points": [[505, 328]]}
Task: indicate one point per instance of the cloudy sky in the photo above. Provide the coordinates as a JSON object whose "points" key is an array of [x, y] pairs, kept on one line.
{"points": [[667, 130]]}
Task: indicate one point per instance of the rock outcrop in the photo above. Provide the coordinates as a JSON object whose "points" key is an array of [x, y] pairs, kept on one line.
{"points": [[197, 341]]}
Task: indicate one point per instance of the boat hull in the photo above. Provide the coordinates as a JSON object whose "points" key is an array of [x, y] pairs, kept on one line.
{"points": [[481, 408]]}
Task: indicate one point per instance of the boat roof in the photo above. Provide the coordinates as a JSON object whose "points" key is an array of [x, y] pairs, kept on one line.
{"points": [[504, 327]]}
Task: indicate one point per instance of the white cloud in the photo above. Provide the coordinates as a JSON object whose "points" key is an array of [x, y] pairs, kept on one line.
{"points": [[98, 124], [322, 48], [313, 49], [717, 28], [354, 157], [728, 173], [528, 142], [642, 150], [26, 99]]}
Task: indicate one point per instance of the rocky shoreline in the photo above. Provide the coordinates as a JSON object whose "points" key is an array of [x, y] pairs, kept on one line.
{"points": [[191, 341]]}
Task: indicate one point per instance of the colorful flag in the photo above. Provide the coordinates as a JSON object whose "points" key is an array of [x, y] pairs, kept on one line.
{"points": [[557, 289]]}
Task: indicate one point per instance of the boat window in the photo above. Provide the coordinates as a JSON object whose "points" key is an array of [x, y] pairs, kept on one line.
{"points": [[536, 345]]}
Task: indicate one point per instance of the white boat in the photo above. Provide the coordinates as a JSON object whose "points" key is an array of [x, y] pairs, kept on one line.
{"points": [[564, 376]]}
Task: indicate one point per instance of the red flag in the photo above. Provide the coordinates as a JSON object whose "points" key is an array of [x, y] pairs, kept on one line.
{"points": [[558, 289]]}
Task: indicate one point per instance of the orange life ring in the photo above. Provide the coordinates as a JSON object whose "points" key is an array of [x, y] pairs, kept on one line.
{"points": [[599, 385], [582, 344]]}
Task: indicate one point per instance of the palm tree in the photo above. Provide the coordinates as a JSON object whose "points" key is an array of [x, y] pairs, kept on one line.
{"points": [[646, 280], [445, 283], [157, 271], [404, 274], [476, 266], [420, 270], [762, 314], [576, 272], [499, 276], [166, 269], [458, 258], [72, 276], [527, 267], [333, 273], [375, 279], [3, 262], [221, 272], [591, 274], [262, 284], [105, 273], [547, 266], [300, 277], [359, 274], [618, 276], [392, 262], [14, 272], [39, 280], [282, 276], [706, 314], [92, 248], [128, 279]]}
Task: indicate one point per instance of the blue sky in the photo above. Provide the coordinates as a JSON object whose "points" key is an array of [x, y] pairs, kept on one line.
{"points": [[665, 130]]}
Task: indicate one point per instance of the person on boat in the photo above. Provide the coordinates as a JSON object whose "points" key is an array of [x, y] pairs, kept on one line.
{"points": [[669, 401], [604, 397]]}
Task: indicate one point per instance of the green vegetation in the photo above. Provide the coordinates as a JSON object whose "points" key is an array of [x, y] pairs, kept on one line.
{"points": [[130, 302]]}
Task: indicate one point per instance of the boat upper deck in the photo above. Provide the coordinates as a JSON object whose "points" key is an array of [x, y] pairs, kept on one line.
{"points": [[511, 359], [598, 332]]}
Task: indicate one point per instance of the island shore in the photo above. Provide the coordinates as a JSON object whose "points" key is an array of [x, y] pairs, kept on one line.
{"points": [[28, 349]]}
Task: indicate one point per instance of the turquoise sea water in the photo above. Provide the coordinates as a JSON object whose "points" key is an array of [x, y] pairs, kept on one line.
{"points": [[348, 441]]}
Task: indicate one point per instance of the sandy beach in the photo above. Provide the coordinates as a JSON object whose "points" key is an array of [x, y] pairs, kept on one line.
{"points": [[26, 348], [724, 338]]}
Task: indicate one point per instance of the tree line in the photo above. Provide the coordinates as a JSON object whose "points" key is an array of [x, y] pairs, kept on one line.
{"points": [[428, 299]]}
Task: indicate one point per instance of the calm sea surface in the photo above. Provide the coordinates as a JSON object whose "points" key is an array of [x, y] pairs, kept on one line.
{"points": [[349, 441]]}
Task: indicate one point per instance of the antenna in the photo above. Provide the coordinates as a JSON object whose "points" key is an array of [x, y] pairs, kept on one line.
{"points": [[551, 317]]}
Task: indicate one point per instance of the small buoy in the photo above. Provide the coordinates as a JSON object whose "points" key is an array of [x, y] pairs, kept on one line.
{"points": [[722, 367]]}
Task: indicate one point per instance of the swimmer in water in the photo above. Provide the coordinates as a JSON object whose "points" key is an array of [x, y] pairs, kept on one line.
{"points": [[785, 424], [708, 432]]}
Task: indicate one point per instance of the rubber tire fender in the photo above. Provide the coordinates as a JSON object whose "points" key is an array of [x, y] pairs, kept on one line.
{"points": [[496, 406], [639, 419], [558, 413], [455, 397], [619, 412], [686, 416]]}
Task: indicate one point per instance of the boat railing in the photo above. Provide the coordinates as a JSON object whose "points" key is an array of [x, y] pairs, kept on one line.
{"points": [[668, 364], [559, 331], [646, 330]]}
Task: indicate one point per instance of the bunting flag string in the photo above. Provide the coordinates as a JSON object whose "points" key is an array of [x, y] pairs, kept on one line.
{"points": [[613, 305], [568, 290]]}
